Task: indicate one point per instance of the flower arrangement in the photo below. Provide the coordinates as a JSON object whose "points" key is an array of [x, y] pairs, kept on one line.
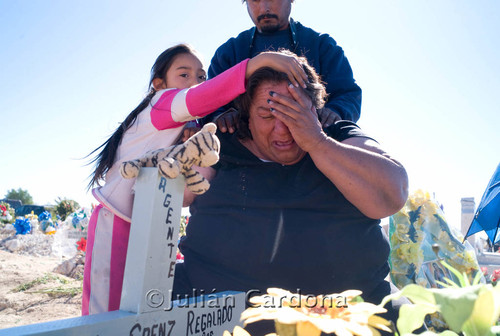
{"points": [[491, 278], [430, 265], [22, 225], [468, 309], [184, 223], [6, 213], [413, 230], [419, 238], [79, 219], [64, 207], [182, 233], [344, 314]]}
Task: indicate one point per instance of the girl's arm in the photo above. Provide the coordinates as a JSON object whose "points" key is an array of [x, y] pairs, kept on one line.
{"points": [[175, 107]]}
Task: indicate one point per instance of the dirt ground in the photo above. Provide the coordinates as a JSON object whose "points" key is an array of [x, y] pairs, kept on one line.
{"points": [[30, 292]]}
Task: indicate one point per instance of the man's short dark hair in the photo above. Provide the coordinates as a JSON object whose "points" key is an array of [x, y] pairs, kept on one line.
{"points": [[315, 90]]}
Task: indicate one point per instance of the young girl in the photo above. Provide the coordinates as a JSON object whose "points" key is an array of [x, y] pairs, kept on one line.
{"points": [[174, 98]]}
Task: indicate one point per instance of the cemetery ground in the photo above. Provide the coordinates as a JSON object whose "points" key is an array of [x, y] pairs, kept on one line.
{"points": [[41, 267], [31, 292]]}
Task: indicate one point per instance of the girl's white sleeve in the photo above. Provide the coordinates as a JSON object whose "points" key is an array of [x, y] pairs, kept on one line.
{"points": [[176, 107]]}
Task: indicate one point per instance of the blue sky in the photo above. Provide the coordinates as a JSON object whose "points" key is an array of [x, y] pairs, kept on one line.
{"points": [[71, 71]]}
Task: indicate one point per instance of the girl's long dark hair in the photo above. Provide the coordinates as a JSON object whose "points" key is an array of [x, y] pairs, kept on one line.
{"points": [[106, 157]]}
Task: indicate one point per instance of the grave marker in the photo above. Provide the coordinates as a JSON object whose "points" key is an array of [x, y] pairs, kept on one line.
{"points": [[146, 308]]}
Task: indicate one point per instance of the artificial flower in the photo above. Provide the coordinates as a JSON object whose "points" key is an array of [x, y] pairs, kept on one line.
{"points": [[22, 226], [82, 244], [3, 210], [423, 223], [179, 256], [416, 227], [341, 314]]}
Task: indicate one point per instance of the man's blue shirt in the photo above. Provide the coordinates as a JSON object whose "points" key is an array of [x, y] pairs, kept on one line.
{"points": [[321, 51]]}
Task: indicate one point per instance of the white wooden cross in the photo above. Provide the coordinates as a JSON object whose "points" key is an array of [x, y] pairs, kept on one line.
{"points": [[146, 308]]}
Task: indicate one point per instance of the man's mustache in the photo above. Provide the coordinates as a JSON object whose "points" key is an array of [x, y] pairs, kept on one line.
{"points": [[267, 16]]}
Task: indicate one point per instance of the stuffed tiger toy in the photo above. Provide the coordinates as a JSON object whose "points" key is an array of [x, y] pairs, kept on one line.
{"points": [[201, 149]]}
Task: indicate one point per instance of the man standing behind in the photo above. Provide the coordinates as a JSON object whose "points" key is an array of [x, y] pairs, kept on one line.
{"points": [[274, 29]]}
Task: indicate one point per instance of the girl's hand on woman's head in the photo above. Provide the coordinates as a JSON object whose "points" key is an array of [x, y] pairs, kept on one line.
{"points": [[287, 63]]}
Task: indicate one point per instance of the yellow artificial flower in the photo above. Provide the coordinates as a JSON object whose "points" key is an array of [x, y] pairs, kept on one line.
{"points": [[333, 313], [429, 209], [469, 259], [402, 232], [464, 263], [411, 253], [418, 198]]}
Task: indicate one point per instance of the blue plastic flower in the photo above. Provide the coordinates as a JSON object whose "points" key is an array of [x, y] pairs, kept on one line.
{"points": [[22, 226]]}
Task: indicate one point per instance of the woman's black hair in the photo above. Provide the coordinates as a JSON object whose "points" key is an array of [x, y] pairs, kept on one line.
{"points": [[106, 157]]}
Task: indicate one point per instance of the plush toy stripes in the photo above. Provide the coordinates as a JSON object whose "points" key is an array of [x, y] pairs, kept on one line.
{"points": [[201, 149]]}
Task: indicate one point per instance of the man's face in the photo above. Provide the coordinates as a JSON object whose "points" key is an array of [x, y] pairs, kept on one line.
{"points": [[269, 16], [272, 139]]}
